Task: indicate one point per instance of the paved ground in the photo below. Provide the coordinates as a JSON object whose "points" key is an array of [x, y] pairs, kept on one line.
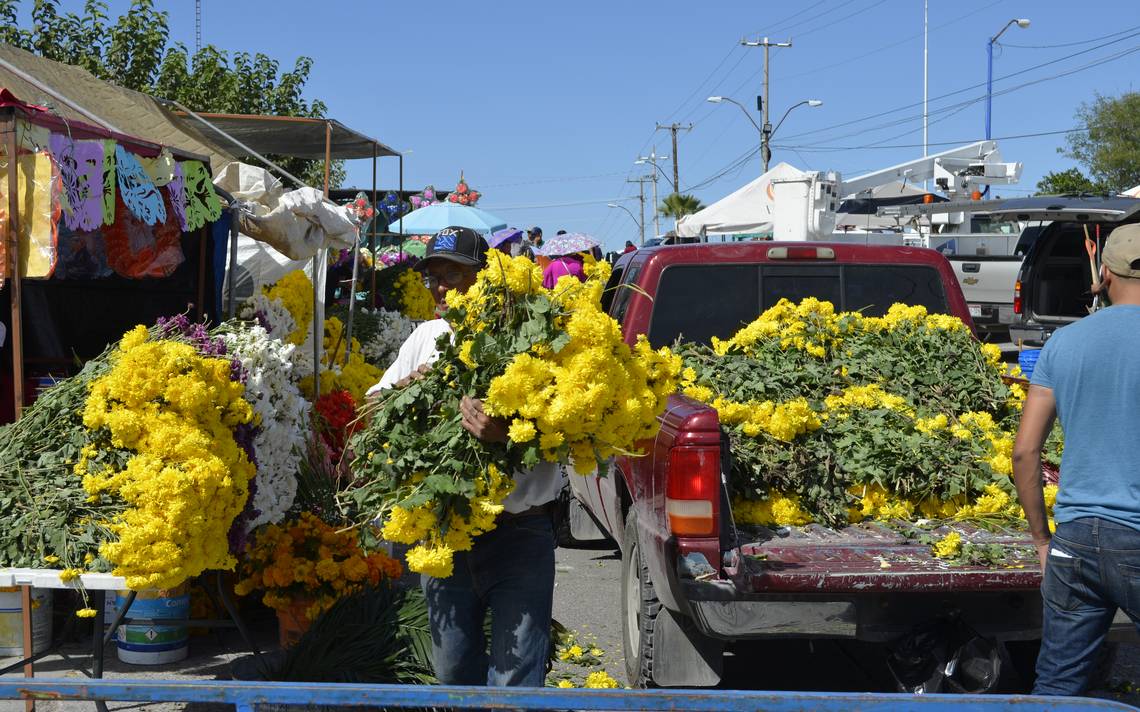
{"points": [[587, 601]]}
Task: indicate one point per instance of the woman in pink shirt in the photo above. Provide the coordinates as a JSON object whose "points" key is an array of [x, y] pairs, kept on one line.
{"points": [[561, 266]]}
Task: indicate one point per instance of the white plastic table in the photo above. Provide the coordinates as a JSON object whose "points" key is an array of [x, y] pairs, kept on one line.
{"points": [[97, 585]]}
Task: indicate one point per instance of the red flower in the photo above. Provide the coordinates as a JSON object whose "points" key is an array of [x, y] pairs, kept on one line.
{"points": [[461, 188], [336, 412]]}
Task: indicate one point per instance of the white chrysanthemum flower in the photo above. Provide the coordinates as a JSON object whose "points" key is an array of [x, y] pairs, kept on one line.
{"points": [[271, 389]]}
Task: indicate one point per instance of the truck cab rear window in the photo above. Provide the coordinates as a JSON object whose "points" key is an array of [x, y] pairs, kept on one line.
{"points": [[698, 302]]}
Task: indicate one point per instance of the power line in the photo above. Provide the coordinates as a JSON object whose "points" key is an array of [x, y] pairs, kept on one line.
{"points": [[559, 205], [933, 143], [977, 99], [963, 90], [777, 26], [885, 47], [553, 179], [1069, 44]]}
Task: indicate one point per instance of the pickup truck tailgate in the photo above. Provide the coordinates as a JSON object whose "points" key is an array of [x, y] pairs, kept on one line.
{"points": [[871, 557]]}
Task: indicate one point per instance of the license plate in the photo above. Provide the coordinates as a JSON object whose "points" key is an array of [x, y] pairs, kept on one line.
{"points": [[975, 309]]}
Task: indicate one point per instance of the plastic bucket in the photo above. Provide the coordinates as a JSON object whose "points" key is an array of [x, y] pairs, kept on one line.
{"points": [[1027, 360], [12, 621], [160, 643]]}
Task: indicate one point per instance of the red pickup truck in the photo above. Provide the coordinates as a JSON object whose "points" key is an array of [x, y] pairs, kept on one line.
{"points": [[688, 590]]}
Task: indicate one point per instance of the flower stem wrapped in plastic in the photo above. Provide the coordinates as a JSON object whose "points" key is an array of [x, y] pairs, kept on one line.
{"points": [[550, 363]]}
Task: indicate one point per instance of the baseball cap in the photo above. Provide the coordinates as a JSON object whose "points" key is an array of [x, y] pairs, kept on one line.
{"points": [[536, 230], [1122, 251], [461, 245]]}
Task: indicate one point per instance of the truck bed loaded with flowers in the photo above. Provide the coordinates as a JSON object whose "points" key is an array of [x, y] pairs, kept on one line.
{"points": [[836, 463]]}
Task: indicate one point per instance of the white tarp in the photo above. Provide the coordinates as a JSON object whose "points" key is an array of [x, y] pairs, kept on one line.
{"points": [[747, 210], [1132, 192], [297, 223]]}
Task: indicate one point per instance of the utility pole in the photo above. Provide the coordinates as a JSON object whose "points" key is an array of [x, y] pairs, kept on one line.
{"points": [[925, 85], [641, 188], [673, 128], [765, 152]]}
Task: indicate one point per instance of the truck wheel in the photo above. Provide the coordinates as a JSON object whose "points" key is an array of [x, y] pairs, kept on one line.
{"points": [[640, 608]]}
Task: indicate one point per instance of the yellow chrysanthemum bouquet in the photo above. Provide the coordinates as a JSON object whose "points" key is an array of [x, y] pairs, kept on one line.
{"points": [[838, 417], [549, 362]]}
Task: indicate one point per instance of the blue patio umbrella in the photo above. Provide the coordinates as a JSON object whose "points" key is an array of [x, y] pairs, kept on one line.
{"points": [[433, 218]]}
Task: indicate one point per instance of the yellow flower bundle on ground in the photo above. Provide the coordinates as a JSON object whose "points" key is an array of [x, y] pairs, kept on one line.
{"points": [[550, 363], [839, 417]]}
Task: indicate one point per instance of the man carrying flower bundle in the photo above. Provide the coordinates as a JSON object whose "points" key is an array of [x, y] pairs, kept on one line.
{"points": [[1088, 375], [509, 570]]}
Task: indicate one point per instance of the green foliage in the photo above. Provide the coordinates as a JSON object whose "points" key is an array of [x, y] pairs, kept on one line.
{"points": [[133, 51], [678, 205], [376, 635], [934, 371], [1068, 181], [1111, 147], [42, 503]]}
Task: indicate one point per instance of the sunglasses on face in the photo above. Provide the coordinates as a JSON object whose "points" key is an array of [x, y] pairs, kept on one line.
{"points": [[448, 278]]}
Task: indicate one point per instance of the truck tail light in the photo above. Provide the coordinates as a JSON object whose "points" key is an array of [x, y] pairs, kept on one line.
{"points": [[1017, 297], [801, 253], [692, 495]]}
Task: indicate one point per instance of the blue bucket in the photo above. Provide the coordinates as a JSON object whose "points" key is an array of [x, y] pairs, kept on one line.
{"points": [[1027, 360], [161, 642]]}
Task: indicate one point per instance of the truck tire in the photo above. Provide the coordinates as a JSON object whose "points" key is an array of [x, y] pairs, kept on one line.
{"points": [[640, 608]]}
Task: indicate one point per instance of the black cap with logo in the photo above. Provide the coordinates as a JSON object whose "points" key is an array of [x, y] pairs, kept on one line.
{"points": [[461, 245]]}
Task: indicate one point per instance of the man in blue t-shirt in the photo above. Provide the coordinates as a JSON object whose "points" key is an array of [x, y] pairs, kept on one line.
{"points": [[1088, 375]]}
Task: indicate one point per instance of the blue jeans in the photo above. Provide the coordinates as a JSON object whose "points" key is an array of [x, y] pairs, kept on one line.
{"points": [[509, 570], [1093, 569]]}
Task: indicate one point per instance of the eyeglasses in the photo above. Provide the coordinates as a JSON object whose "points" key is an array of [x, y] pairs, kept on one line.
{"points": [[449, 278]]}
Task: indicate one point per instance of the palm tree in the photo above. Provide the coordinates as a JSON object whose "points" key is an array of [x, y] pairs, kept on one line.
{"points": [[678, 205]]}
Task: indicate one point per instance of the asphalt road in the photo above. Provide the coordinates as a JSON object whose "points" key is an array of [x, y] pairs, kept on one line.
{"points": [[587, 599]]}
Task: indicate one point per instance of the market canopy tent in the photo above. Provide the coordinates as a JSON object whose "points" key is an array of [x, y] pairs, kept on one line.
{"points": [[747, 210], [74, 94], [103, 231], [295, 136]]}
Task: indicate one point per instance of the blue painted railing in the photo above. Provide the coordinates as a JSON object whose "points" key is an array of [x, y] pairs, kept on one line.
{"points": [[246, 696]]}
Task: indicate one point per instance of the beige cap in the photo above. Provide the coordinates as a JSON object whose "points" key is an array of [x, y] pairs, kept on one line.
{"points": [[1122, 251]]}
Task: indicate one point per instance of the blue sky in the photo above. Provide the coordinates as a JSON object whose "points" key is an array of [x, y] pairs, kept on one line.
{"points": [[545, 106]]}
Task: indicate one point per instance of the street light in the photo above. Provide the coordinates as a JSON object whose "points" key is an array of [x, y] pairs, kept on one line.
{"points": [[1022, 23], [766, 132], [660, 170], [652, 158], [640, 230]]}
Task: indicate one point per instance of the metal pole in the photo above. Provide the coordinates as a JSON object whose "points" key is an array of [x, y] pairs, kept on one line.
{"points": [[231, 306], [29, 639], [925, 81], [641, 198], [989, 83], [656, 217], [372, 230], [767, 130], [17, 319], [767, 100], [318, 298], [203, 244], [401, 200]]}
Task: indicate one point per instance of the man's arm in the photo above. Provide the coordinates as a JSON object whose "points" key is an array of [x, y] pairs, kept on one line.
{"points": [[1036, 421]]}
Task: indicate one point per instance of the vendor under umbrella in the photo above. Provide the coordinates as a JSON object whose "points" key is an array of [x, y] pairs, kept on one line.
{"points": [[566, 251]]}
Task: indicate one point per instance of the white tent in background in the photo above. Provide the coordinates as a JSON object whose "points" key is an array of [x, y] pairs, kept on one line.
{"points": [[1132, 192], [748, 210]]}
